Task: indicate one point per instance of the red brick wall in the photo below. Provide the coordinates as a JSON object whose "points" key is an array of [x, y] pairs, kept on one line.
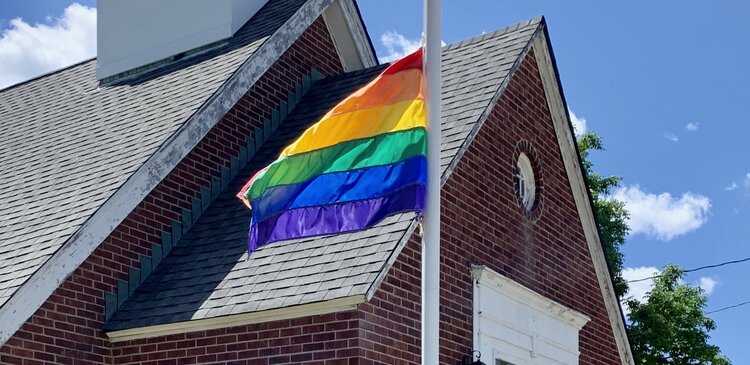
{"points": [[546, 251], [484, 224], [390, 321], [66, 329], [329, 339]]}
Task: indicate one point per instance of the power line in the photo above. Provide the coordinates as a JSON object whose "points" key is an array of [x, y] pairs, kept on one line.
{"points": [[731, 262], [719, 265], [729, 307], [696, 269]]}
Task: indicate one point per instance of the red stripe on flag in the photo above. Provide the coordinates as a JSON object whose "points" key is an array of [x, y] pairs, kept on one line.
{"points": [[411, 61]]}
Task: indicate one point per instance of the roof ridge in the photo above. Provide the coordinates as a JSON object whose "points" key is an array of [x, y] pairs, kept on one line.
{"points": [[152, 67], [46, 74], [511, 28]]}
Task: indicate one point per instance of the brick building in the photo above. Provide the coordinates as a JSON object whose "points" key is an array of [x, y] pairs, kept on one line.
{"points": [[121, 241]]}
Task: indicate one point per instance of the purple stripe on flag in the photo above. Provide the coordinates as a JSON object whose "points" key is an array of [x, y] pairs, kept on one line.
{"points": [[335, 218]]}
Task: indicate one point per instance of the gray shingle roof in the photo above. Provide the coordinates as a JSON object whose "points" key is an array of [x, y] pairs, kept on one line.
{"points": [[210, 274], [67, 143]]}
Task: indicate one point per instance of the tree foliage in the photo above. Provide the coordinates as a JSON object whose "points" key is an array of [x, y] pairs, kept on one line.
{"points": [[610, 213], [670, 327]]}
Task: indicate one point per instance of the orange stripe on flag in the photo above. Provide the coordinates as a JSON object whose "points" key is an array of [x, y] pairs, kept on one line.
{"points": [[384, 90]]}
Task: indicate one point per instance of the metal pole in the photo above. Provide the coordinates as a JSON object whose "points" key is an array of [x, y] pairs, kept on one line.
{"points": [[431, 240]]}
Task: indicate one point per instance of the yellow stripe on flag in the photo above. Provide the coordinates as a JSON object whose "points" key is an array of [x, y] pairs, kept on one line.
{"points": [[364, 123]]}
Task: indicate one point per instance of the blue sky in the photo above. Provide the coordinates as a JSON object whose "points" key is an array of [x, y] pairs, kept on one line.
{"points": [[663, 82], [36, 11]]}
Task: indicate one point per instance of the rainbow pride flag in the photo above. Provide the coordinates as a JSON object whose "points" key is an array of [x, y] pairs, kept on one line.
{"points": [[361, 162]]}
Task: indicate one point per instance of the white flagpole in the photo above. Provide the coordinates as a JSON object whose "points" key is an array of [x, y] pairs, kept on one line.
{"points": [[431, 240]]}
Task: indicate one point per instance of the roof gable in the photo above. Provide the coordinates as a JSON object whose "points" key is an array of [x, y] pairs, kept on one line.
{"points": [[228, 281], [305, 271], [475, 73], [320, 269], [160, 115], [579, 187]]}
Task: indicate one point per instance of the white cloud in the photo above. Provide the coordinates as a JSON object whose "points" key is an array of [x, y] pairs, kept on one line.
{"points": [[744, 182], [639, 289], [579, 124], [663, 216], [707, 284], [671, 137], [29, 50], [397, 46], [692, 127]]}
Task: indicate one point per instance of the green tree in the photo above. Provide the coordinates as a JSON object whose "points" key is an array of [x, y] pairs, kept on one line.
{"points": [[610, 213], [670, 327]]}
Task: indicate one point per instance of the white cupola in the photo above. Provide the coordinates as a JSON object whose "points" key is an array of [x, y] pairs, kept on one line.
{"points": [[135, 33]]}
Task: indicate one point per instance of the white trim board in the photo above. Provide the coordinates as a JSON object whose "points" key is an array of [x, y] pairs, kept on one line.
{"points": [[359, 34], [488, 277], [568, 150], [35, 291], [304, 310], [514, 323], [348, 36]]}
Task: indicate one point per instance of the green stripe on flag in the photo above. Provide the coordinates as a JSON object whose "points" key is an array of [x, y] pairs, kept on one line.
{"points": [[383, 149]]}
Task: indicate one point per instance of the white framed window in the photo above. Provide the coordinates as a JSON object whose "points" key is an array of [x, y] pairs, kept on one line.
{"points": [[525, 181], [517, 326]]}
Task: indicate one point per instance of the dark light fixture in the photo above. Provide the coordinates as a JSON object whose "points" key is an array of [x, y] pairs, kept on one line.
{"points": [[469, 359]]}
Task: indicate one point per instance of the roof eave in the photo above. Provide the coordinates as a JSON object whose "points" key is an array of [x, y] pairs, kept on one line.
{"points": [[342, 304]]}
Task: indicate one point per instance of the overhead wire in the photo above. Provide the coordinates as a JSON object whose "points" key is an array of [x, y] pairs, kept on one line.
{"points": [[725, 263], [728, 307], [695, 269]]}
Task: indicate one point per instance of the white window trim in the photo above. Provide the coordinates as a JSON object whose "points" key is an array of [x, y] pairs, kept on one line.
{"points": [[526, 181], [483, 276]]}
